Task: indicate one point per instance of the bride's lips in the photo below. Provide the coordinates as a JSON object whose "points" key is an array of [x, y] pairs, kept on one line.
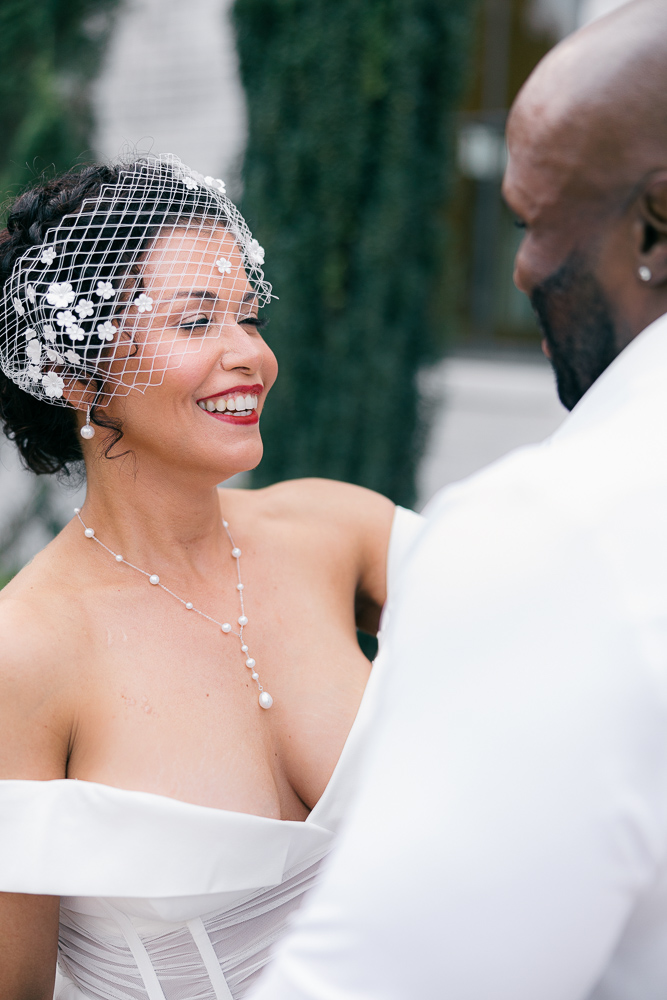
{"points": [[252, 418], [233, 393]]}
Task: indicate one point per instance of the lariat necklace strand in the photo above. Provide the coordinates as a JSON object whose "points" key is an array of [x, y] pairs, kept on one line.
{"points": [[265, 699]]}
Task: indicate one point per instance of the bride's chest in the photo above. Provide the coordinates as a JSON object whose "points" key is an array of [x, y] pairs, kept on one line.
{"points": [[170, 705]]}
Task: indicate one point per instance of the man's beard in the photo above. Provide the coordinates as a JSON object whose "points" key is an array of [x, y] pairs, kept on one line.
{"points": [[576, 319]]}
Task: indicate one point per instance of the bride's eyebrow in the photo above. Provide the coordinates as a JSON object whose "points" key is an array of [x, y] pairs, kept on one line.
{"points": [[250, 298], [193, 293]]}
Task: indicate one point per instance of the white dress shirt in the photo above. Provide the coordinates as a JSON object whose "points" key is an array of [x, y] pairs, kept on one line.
{"points": [[508, 838]]}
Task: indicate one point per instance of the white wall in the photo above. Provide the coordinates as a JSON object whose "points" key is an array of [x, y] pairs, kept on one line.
{"points": [[481, 409], [170, 83]]}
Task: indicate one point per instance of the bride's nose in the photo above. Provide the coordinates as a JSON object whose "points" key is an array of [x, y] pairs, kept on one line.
{"points": [[241, 348]]}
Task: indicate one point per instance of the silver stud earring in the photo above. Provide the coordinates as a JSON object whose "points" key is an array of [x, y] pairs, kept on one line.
{"points": [[87, 431], [645, 273]]}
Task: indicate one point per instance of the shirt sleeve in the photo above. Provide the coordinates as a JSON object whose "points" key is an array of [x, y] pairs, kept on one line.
{"points": [[510, 815]]}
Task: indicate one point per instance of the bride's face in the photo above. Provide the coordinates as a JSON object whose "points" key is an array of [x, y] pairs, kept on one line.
{"points": [[198, 349]]}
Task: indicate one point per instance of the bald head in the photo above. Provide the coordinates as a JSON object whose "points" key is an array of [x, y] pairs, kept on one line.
{"points": [[587, 175], [603, 93]]}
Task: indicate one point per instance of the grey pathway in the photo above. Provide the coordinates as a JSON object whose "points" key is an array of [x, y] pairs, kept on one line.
{"points": [[482, 409]]}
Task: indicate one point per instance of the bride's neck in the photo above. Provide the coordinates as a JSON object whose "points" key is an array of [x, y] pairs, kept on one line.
{"points": [[149, 513]]}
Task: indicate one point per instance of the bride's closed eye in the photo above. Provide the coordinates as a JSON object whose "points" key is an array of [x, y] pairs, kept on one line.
{"points": [[195, 320], [258, 322]]}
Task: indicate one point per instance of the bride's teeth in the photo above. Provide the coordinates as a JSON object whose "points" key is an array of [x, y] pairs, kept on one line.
{"points": [[239, 404]]}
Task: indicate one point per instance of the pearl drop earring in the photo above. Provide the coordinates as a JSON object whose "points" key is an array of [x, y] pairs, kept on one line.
{"points": [[87, 431], [645, 273]]}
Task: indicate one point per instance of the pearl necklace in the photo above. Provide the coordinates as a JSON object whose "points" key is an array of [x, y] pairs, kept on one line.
{"points": [[265, 699]]}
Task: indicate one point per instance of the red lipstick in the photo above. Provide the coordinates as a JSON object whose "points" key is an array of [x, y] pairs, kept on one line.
{"points": [[245, 390]]}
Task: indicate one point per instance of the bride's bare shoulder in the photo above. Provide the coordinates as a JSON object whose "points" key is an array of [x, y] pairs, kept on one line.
{"points": [[326, 522], [312, 501], [42, 584], [41, 608], [34, 680]]}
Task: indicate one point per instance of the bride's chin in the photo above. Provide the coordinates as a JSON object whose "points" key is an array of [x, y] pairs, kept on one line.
{"points": [[231, 461], [201, 457]]}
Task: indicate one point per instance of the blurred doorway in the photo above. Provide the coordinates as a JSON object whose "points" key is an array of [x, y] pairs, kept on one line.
{"points": [[512, 37]]}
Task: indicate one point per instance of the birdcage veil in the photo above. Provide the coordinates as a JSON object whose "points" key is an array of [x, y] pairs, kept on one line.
{"points": [[85, 319]]}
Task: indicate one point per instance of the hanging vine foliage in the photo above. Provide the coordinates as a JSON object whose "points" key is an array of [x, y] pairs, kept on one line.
{"points": [[346, 180], [49, 52]]}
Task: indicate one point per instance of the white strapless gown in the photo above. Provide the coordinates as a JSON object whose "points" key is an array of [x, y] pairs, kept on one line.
{"points": [[163, 900]]}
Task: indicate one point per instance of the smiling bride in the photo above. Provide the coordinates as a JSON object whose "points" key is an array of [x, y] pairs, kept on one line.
{"points": [[183, 701]]}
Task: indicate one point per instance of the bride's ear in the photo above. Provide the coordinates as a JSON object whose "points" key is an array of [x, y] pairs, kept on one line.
{"points": [[79, 395], [82, 397]]}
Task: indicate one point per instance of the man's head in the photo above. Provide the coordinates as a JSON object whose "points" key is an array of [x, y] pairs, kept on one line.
{"points": [[587, 176]]}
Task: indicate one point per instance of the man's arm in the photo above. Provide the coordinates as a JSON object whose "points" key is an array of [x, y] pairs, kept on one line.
{"points": [[508, 816]]}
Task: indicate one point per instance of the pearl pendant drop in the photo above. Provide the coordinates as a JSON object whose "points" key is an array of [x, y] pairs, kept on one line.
{"points": [[265, 700]]}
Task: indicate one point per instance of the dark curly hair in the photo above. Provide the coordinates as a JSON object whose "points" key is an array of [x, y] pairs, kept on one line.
{"points": [[127, 217]]}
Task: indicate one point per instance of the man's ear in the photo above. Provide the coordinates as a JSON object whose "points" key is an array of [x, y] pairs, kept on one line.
{"points": [[652, 249]]}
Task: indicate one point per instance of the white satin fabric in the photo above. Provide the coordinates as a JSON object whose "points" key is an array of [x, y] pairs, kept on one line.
{"points": [[163, 900], [509, 837]]}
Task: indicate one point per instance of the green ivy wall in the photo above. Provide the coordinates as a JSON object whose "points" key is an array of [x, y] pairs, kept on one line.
{"points": [[49, 51], [351, 125]]}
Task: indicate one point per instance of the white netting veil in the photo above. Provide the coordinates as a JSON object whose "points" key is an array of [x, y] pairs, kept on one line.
{"points": [[150, 266]]}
